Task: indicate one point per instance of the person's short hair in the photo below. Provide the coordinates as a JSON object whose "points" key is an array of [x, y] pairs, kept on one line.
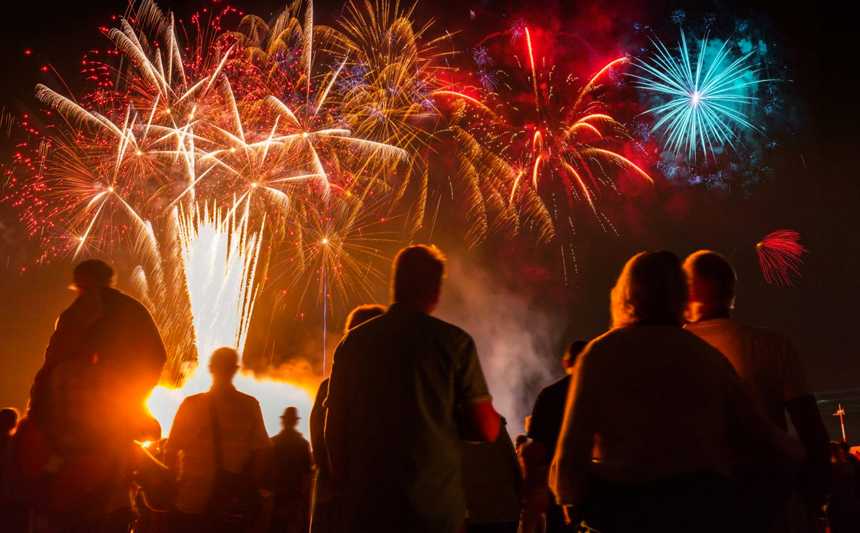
{"points": [[8, 419], [572, 352], [652, 289], [93, 272], [224, 360], [362, 314], [712, 277], [416, 273]]}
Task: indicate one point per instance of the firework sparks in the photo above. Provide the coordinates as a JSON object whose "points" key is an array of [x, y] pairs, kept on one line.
{"points": [[563, 148], [270, 126], [704, 99], [779, 255]]}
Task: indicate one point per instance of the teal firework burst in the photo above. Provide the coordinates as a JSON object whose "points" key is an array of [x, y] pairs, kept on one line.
{"points": [[704, 99]]}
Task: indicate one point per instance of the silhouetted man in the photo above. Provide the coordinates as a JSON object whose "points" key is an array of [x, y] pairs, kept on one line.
{"points": [[544, 428], [392, 430], [768, 364], [101, 363], [291, 476], [325, 513], [222, 430], [74, 450]]}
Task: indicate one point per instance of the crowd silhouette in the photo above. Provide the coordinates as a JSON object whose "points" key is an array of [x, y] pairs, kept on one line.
{"points": [[672, 421]]}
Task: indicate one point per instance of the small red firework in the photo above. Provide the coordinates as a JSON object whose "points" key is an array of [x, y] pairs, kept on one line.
{"points": [[779, 255]]}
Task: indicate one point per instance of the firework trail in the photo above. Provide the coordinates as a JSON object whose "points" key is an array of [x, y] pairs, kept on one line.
{"points": [[561, 148], [703, 99], [263, 122], [779, 255]]}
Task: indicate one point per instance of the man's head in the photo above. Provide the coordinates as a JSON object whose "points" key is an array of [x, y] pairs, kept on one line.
{"points": [[92, 273], [652, 289], [224, 364], [362, 314], [290, 417], [416, 277], [571, 353], [712, 283]]}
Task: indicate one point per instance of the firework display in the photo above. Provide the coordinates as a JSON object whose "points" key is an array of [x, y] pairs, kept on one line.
{"points": [[706, 96], [232, 154], [779, 255]]}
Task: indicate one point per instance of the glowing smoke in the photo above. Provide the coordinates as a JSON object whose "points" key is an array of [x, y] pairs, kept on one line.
{"points": [[516, 338]]}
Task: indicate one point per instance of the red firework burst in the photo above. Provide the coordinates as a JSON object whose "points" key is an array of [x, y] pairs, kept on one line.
{"points": [[779, 254]]}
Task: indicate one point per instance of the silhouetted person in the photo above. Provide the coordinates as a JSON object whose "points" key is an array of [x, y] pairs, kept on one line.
{"points": [[325, 511], [75, 447], [393, 431], [843, 502], [291, 469], [492, 484], [13, 518], [8, 423], [775, 376], [220, 426], [547, 417], [105, 342], [655, 417]]}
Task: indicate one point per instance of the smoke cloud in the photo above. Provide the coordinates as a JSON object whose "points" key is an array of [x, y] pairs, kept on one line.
{"points": [[518, 340]]}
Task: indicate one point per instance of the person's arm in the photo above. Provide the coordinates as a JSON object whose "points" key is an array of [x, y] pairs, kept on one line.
{"points": [[569, 470], [336, 429], [481, 422], [177, 439], [261, 446], [803, 410], [812, 434], [336, 443]]}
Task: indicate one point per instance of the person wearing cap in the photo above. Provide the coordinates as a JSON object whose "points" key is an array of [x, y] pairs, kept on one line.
{"points": [[290, 476], [87, 407], [113, 333]]}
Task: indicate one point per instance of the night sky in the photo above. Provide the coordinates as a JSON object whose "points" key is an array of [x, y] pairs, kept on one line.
{"points": [[814, 190]]}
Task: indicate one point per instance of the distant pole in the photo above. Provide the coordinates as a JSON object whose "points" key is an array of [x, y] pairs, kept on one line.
{"points": [[841, 414]]}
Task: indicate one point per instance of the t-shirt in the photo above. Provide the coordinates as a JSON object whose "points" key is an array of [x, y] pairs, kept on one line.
{"points": [[767, 362], [291, 462], [242, 432], [399, 380], [492, 480], [548, 414], [651, 402]]}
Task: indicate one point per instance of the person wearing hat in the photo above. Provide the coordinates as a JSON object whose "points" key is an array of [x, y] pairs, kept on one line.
{"points": [[87, 405], [290, 480], [113, 333]]}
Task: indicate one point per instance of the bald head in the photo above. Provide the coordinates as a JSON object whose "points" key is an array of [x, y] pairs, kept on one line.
{"points": [[712, 284]]}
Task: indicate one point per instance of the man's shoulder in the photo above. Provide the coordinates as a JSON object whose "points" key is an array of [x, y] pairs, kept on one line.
{"points": [[247, 400], [732, 328], [195, 401], [400, 317]]}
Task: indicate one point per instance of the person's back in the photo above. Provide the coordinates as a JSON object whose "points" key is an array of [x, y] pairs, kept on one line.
{"points": [[492, 484], [393, 431], [405, 368], [774, 374], [656, 418], [191, 450], [766, 361], [671, 408]]}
